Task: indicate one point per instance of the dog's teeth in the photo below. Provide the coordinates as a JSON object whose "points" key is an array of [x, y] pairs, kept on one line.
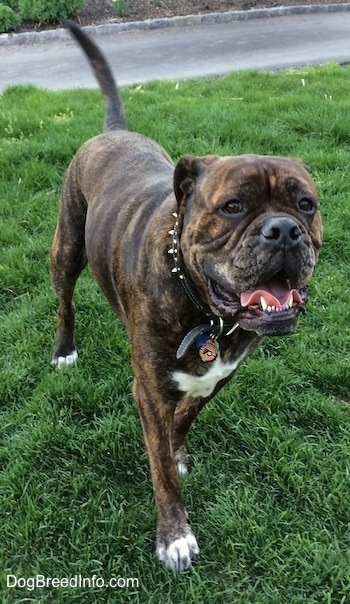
{"points": [[171, 232], [174, 270], [269, 308], [290, 301], [263, 303], [171, 251], [175, 214]]}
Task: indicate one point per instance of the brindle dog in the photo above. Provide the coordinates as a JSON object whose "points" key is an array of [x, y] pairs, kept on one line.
{"points": [[200, 262]]}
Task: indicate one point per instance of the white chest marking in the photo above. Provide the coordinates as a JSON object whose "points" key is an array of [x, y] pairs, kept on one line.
{"points": [[204, 385]]}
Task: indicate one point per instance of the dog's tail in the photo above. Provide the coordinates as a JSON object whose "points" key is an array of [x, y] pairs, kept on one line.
{"points": [[115, 117]]}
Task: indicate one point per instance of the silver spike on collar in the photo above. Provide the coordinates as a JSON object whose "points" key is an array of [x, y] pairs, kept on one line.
{"points": [[174, 250]]}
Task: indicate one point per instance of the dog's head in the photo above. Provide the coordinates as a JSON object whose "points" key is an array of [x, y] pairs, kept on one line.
{"points": [[250, 236]]}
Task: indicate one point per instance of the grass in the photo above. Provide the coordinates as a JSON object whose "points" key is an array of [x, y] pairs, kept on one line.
{"points": [[121, 7], [269, 496]]}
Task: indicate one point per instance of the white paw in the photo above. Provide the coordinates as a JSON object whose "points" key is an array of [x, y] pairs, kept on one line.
{"points": [[67, 361], [179, 554], [182, 468]]}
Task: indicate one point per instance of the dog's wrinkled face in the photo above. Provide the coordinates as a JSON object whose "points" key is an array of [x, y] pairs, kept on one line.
{"points": [[250, 237]]}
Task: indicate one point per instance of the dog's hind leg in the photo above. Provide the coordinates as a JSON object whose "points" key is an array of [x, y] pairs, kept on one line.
{"points": [[68, 259]]}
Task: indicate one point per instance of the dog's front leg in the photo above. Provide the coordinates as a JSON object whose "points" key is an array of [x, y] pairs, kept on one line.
{"points": [[176, 545]]}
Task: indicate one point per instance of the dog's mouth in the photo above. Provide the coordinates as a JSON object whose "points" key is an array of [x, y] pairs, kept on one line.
{"points": [[272, 308]]}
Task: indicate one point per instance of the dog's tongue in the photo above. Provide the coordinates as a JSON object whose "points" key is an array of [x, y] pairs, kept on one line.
{"points": [[274, 294]]}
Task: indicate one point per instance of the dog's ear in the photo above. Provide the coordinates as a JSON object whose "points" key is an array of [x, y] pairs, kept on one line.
{"points": [[187, 170]]}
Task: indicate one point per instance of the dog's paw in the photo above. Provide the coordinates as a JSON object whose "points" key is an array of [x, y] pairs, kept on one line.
{"points": [[180, 553], [67, 361]]}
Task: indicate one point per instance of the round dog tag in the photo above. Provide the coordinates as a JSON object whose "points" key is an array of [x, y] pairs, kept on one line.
{"points": [[207, 348]]}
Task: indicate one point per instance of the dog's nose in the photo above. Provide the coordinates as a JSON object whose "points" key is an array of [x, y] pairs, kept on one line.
{"points": [[281, 232]]}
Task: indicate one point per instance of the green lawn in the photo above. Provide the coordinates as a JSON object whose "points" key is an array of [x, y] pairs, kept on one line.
{"points": [[269, 497]]}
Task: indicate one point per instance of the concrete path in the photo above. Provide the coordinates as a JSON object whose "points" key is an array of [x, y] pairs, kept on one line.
{"points": [[185, 52]]}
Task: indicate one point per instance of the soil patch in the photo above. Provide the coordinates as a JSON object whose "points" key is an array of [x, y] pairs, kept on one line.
{"points": [[95, 12]]}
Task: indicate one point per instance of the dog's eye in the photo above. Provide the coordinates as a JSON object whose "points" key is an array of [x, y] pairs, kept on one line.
{"points": [[232, 206], [307, 205]]}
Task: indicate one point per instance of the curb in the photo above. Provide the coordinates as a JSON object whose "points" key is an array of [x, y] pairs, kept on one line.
{"points": [[52, 35]]}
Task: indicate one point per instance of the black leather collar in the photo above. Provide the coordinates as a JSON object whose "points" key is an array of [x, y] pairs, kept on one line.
{"points": [[216, 325]]}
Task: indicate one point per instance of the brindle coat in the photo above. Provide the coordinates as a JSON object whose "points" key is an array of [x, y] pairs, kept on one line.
{"points": [[240, 223]]}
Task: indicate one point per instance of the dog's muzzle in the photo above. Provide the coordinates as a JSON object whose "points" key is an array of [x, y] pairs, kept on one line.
{"points": [[277, 262]]}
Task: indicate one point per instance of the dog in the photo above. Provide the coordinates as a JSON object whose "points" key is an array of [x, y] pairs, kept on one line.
{"points": [[199, 261]]}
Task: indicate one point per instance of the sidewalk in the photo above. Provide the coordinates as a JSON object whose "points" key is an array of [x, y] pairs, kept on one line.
{"points": [[174, 53]]}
